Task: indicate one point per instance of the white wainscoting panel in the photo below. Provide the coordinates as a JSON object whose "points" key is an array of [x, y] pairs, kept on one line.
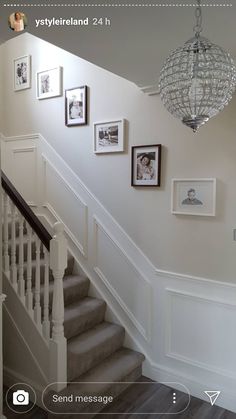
{"points": [[125, 282], [201, 332], [20, 163], [66, 205], [25, 159]]}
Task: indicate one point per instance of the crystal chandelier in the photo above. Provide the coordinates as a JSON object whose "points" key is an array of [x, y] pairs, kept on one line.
{"points": [[198, 79]]}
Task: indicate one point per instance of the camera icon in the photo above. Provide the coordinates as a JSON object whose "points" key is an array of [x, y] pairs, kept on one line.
{"points": [[21, 397]]}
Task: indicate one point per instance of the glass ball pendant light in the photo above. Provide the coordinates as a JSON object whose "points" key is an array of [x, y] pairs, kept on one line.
{"points": [[198, 79]]}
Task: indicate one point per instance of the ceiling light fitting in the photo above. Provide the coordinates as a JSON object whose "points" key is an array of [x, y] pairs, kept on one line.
{"points": [[198, 79]]}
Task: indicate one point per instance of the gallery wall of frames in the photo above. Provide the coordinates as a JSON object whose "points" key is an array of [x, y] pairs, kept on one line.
{"points": [[188, 196]]}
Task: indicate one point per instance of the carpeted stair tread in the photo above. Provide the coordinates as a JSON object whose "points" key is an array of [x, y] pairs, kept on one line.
{"points": [[88, 349], [82, 315], [112, 369]]}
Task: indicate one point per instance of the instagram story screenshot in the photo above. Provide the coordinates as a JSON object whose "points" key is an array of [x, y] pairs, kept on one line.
{"points": [[118, 209]]}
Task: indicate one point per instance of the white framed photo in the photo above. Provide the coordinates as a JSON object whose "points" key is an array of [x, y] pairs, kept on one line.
{"points": [[49, 83], [194, 197], [109, 136], [22, 73]]}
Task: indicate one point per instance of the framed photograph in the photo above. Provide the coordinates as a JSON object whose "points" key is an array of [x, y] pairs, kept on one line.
{"points": [[22, 73], [146, 165], [109, 136], [194, 197], [76, 106], [49, 83]]}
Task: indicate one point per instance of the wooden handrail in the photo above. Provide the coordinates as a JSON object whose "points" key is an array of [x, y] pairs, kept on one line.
{"points": [[26, 211]]}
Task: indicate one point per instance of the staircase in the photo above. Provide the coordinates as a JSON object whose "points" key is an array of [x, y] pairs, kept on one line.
{"points": [[83, 349], [95, 351]]}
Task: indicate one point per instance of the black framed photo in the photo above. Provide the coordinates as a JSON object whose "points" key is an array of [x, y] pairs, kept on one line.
{"points": [[76, 106], [146, 165]]}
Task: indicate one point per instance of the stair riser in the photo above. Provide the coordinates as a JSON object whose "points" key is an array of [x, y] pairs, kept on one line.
{"points": [[78, 365], [84, 322], [76, 293]]}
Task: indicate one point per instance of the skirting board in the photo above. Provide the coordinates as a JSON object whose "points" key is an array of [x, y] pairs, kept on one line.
{"points": [[159, 373]]}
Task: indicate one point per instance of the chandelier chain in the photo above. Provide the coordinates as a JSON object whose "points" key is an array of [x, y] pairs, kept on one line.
{"points": [[198, 15]]}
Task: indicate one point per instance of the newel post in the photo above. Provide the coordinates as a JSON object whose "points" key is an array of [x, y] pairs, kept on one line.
{"points": [[58, 345]]}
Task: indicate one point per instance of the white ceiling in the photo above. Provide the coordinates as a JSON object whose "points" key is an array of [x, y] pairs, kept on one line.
{"points": [[139, 38]]}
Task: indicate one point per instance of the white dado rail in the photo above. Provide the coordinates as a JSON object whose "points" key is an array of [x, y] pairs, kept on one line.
{"points": [[167, 315]]}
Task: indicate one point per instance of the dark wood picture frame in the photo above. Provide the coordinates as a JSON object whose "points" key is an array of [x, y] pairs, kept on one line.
{"points": [[146, 175], [77, 120]]}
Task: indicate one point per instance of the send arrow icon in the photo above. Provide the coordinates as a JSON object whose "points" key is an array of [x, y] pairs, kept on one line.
{"points": [[213, 396]]}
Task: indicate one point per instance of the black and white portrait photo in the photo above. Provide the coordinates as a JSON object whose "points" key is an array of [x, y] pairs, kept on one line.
{"points": [[146, 166], [109, 137], [49, 83], [45, 83], [76, 106], [191, 198], [22, 73]]}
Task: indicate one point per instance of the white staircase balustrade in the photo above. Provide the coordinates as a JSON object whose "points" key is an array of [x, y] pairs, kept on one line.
{"points": [[28, 257]]}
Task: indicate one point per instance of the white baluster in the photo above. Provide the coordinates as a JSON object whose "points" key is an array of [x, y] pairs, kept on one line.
{"points": [[37, 306], [58, 347], [21, 281], [29, 294], [13, 247], [5, 234], [46, 323]]}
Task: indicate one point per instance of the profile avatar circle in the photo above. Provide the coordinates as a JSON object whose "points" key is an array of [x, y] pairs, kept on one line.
{"points": [[17, 21]]}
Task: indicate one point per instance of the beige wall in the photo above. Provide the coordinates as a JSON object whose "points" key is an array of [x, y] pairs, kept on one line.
{"points": [[198, 246], [1, 91]]}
